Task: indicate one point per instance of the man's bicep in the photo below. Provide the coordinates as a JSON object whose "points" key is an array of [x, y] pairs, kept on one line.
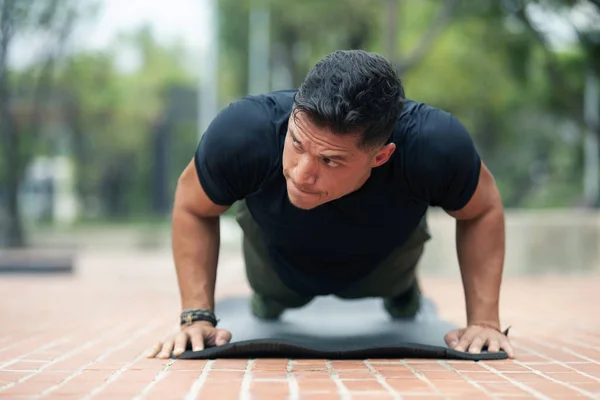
{"points": [[485, 197], [191, 196]]}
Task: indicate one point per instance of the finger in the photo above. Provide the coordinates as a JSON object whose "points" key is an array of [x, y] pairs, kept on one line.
{"points": [[467, 338], [493, 346], [180, 343], [507, 347], [197, 339], [223, 337], [452, 338], [476, 344], [154, 351], [166, 349]]}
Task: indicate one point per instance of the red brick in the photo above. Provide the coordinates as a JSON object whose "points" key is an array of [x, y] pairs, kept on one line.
{"points": [[483, 376], [348, 365], [311, 375], [155, 364], [355, 375], [270, 364], [11, 376], [318, 385], [361, 385], [449, 375], [188, 365], [454, 387], [427, 366], [502, 388], [274, 374], [409, 385], [28, 388], [225, 375], [397, 373], [308, 395], [309, 367], [176, 384], [372, 396], [217, 392]]}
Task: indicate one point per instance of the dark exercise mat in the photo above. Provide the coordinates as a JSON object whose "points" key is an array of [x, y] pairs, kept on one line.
{"points": [[333, 328]]}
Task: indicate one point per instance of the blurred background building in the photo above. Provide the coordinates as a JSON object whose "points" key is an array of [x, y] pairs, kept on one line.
{"points": [[102, 102]]}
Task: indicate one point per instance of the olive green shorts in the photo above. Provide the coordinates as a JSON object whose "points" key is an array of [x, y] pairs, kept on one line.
{"points": [[394, 276]]}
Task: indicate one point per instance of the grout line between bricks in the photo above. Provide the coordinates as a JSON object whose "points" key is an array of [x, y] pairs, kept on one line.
{"points": [[19, 343], [518, 384], [65, 356], [80, 370], [574, 340], [471, 381], [422, 377], [565, 384], [294, 389], [159, 377], [342, 389], [141, 332], [42, 348], [382, 381], [562, 364], [198, 383], [245, 389], [544, 325], [565, 349]]}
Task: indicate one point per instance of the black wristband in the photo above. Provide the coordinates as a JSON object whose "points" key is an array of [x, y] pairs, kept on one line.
{"points": [[190, 316]]}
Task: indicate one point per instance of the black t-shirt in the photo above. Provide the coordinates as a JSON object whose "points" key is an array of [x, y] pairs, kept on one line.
{"points": [[322, 250]]}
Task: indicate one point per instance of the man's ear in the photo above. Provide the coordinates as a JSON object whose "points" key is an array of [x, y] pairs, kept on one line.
{"points": [[383, 155]]}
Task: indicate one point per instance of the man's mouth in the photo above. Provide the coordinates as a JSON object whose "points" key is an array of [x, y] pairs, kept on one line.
{"points": [[301, 189]]}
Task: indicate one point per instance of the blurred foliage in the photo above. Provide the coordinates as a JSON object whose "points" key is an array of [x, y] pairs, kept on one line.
{"points": [[487, 62]]}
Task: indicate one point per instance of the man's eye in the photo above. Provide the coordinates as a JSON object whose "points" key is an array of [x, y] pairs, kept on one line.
{"points": [[330, 162]]}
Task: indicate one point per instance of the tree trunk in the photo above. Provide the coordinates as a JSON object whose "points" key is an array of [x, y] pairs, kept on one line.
{"points": [[591, 171], [14, 225]]}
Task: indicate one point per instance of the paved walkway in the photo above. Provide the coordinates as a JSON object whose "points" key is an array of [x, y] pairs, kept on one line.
{"points": [[86, 336]]}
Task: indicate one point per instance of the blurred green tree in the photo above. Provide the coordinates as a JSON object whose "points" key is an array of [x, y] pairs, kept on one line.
{"points": [[113, 116], [52, 22]]}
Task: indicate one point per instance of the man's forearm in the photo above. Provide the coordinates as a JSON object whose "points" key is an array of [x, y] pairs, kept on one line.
{"points": [[481, 250], [195, 250]]}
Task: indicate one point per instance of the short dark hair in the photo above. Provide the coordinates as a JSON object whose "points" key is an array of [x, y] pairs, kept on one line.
{"points": [[353, 92]]}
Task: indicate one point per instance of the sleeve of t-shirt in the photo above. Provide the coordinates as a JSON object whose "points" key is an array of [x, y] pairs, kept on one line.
{"points": [[237, 152], [443, 164]]}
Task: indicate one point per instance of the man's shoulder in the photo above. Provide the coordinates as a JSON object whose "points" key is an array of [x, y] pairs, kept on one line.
{"points": [[420, 118], [430, 128], [260, 108], [271, 105], [251, 120]]}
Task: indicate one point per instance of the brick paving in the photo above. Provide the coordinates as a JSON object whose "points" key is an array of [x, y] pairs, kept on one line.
{"points": [[86, 336]]}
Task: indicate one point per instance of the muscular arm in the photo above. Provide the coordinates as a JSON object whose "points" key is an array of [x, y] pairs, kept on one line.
{"points": [[195, 241], [480, 244]]}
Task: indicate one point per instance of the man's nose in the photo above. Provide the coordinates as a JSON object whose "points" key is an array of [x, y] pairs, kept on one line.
{"points": [[306, 171]]}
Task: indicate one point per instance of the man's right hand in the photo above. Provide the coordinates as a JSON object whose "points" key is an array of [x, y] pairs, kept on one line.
{"points": [[200, 334]]}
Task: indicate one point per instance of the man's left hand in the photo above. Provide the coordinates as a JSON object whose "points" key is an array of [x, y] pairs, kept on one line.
{"points": [[474, 337]]}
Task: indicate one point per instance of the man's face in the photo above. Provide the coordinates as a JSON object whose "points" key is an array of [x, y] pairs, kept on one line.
{"points": [[320, 166]]}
